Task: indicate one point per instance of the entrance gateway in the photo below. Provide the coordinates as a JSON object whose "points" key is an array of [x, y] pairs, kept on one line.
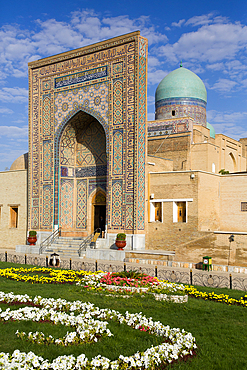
{"points": [[87, 140]]}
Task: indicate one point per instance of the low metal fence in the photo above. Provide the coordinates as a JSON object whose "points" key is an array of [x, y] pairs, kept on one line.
{"points": [[203, 278]]}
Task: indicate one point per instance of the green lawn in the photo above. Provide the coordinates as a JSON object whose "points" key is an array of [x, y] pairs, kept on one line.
{"points": [[220, 330]]}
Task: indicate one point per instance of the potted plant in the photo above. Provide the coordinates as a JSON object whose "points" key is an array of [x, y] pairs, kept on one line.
{"points": [[120, 241], [32, 237]]}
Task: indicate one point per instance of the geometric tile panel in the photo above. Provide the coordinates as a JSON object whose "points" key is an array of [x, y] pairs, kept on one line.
{"points": [[47, 160], [46, 112], [81, 206], [129, 217], [117, 68], [35, 218], [93, 96], [67, 148], [117, 203], [118, 101], [66, 204], [47, 207], [117, 152], [141, 136]]}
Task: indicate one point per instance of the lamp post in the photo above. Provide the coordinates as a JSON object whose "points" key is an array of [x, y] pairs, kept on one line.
{"points": [[231, 239]]}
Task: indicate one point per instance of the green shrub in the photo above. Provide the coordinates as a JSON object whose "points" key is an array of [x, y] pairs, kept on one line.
{"points": [[32, 233], [121, 236]]}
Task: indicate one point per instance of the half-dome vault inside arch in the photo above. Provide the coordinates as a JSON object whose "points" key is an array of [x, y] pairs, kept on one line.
{"points": [[82, 163]]}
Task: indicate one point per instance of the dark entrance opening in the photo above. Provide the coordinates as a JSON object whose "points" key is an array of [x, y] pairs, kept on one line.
{"points": [[99, 217]]}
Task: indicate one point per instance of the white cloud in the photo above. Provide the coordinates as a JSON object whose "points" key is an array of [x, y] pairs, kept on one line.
{"points": [[200, 20], [18, 46], [226, 117], [179, 23], [216, 66], [6, 110], [232, 124], [210, 43], [14, 131], [224, 85], [14, 94], [155, 76]]}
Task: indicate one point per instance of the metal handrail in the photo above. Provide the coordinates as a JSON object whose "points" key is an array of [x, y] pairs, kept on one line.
{"points": [[48, 241], [87, 241]]}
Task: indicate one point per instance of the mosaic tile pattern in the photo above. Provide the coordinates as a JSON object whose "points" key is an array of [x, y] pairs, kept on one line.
{"points": [[97, 184], [47, 207], [46, 114], [66, 203], [118, 152], [142, 137], [81, 206], [117, 68], [117, 203], [68, 142], [89, 96], [181, 107], [47, 160], [118, 101]]}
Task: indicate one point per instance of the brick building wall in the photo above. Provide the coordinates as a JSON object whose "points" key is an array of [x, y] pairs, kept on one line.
{"points": [[13, 208]]}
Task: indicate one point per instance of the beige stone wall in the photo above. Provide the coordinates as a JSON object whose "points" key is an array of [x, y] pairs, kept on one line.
{"points": [[212, 216], [235, 252], [230, 154], [201, 134], [208, 201], [155, 163], [205, 157], [172, 186], [175, 147], [233, 191], [13, 193]]}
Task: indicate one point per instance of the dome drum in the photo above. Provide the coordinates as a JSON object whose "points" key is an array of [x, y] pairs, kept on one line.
{"points": [[174, 109]]}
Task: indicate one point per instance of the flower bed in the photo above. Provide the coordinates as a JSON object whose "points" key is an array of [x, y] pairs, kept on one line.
{"points": [[223, 298], [177, 343]]}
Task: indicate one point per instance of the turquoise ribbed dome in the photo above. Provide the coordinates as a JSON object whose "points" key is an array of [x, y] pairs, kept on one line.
{"points": [[212, 130], [181, 83]]}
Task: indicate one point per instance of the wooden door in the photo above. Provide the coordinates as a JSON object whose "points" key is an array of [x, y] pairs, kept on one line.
{"points": [[181, 211]]}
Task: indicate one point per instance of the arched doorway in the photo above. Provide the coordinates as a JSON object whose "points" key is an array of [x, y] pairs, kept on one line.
{"points": [[83, 166], [98, 211]]}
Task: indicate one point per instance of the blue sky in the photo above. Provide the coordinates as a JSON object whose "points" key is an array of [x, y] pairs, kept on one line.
{"points": [[210, 37]]}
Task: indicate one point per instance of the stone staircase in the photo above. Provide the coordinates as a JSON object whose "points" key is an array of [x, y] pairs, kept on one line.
{"points": [[66, 247]]}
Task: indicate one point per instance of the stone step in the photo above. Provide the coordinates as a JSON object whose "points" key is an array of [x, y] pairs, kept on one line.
{"points": [[67, 240], [63, 252]]}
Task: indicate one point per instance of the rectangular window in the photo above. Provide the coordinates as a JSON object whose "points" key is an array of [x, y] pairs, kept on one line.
{"points": [[14, 217], [179, 212], [156, 211], [243, 206]]}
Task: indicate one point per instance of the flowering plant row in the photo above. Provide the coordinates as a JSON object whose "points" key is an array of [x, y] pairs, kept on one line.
{"points": [[86, 329], [177, 343], [43, 275], [100, 281], [96, 281], [223, 298], [142, 284]]}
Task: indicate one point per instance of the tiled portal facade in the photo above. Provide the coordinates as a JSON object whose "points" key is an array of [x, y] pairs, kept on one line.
{"points": [[87, 134]]}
